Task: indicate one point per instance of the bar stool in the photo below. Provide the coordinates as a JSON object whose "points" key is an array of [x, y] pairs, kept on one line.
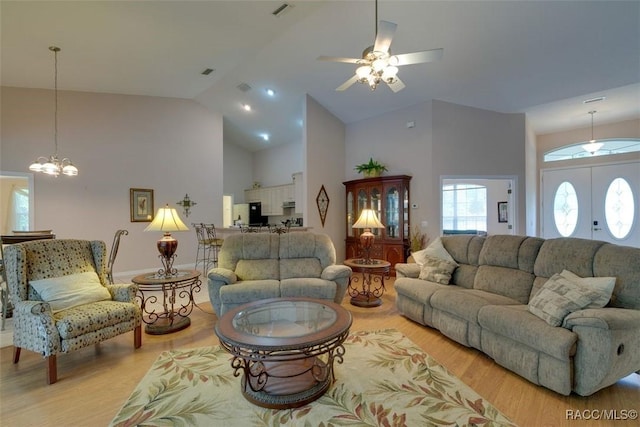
{"points": [[208, 246]]}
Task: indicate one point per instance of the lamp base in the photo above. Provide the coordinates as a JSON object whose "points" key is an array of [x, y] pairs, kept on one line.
{"points": [[366, 243], [167, 247]]}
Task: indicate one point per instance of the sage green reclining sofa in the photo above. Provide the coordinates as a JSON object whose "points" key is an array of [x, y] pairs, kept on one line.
{"points": [[487, 306]]}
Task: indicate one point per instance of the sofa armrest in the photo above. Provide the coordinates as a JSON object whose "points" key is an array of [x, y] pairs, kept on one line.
{"points": [[226, 276], [335, 272], [605, 352], [123, 292], [604, 318], [407, 270]]}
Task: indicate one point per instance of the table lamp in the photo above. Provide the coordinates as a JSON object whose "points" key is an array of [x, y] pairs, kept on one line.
{"points": [[167, 220], [367, 220]]}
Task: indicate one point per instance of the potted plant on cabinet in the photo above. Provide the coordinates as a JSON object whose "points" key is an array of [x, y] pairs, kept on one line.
{"points": [[371, 169]]}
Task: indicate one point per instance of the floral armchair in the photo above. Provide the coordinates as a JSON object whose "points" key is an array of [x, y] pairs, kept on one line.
{"points": [[62, 300]]}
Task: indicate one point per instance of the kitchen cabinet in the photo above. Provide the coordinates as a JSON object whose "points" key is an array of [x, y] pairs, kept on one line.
{"points": [[388, 196], [270, 198]]}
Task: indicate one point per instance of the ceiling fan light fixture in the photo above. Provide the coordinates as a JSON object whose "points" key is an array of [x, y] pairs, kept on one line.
{"points": [[363, 72], [389, 74]]}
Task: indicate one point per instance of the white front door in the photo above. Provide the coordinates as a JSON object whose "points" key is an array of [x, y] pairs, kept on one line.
{"points": [[595, 202]]}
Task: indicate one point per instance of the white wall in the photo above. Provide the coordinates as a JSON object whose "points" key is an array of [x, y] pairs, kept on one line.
{"points": [[324, 145], [118, 142], [275, 165], [475, 142], [404, 151], [238, 171]]}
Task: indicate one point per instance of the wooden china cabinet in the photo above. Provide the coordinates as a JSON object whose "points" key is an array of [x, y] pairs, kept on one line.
{"points": [[389, 197]]}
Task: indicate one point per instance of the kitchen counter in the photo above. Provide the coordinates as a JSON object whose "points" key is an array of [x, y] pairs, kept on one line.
{"points": [[262, 230]]}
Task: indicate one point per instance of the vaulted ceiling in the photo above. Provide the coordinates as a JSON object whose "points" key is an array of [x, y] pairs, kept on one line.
{"points": [[543, 58]]}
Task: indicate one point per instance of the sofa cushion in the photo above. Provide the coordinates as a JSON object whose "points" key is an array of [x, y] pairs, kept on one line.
{"points": [[300, 267], [466, 303], [614, 260], [434, 250], [465, 249], [437, 270], [71, 290], [307, 245], [249, 290], [308, 287], [511, 251], [559, 297], [509, 282], [257, 269], [517, 323], [567, 253]]}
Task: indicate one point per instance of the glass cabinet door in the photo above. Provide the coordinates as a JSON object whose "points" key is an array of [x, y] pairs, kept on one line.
{"points": [[405, 214], [376, 205], [350, 214], [392, 217]]}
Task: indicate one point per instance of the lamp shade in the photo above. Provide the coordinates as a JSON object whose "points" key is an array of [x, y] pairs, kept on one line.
{"points": [[368, 219], [167, 220]]}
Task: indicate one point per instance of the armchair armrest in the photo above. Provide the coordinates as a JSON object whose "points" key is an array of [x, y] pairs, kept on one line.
{"points": [[226, 276], [407, 270], [34, 327], [123, 292], [32, 308], [335, 272]]}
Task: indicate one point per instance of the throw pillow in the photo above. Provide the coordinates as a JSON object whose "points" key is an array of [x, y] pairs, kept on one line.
{"points": [[602, 285], [437, 270], [72, 290], [436, 250], [559, 297]]}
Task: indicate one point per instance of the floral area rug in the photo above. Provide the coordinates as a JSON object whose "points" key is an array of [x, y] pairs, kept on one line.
{"points": [[385, 380]]}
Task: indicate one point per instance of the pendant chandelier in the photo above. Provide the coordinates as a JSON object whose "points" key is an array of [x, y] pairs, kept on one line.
{"points": [[593, 146], [53, 165]]}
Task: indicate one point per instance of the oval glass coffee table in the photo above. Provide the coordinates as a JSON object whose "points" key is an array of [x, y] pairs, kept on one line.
{"points": [[284, 348]]}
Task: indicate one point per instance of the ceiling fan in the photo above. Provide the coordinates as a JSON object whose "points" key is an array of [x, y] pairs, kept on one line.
{"points": [[378, 65]]}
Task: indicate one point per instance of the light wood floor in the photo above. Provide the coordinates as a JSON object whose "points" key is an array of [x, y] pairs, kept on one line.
{"points": [[94, 382]]}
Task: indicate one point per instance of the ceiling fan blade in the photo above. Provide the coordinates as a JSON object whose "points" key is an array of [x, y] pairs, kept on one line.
{"points": [[386, 30], [338, 59], [346, 85], [397, 86], [419, 57]]}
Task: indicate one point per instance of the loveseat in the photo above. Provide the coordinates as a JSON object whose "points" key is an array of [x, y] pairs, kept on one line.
{"points": [[498, 302], [253, 266]]}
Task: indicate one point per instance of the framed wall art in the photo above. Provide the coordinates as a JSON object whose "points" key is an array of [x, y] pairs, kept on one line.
{"points": [[323, 204], [503, 212], [141, 204]]}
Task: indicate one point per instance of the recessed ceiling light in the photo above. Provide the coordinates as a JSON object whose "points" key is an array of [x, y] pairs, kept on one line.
{"points": [[246, 107], [270, 92], [265, 136]]}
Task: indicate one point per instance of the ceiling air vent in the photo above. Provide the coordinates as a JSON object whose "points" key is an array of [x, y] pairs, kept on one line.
{"points": [[207, 71], [282, 9], [244, 87], [598, 99]]}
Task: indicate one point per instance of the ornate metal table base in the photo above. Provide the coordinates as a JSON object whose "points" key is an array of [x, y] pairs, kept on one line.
{"points": [[284, 348], [286, 384], [372, 277], [177, 300]]}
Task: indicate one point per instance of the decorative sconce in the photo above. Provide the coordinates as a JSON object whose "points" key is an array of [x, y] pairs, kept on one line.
{"points": [[186, 204]]}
